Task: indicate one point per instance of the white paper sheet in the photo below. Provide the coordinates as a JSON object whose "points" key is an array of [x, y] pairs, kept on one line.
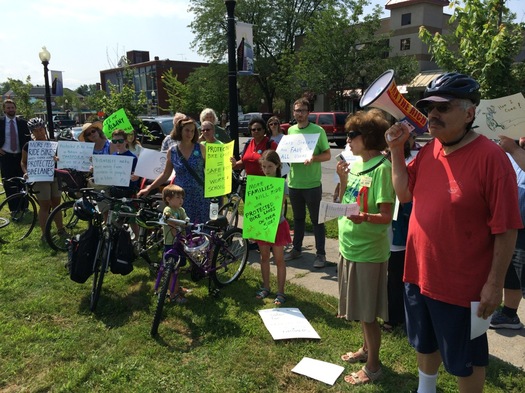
{"points": [[478, 326], [287, 323], [317, 369], [330, 210]]}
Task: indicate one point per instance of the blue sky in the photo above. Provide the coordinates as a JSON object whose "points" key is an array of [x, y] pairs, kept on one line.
{"points": [[85, 37]]}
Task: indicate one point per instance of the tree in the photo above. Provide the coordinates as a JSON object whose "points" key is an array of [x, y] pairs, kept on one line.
{"points": [[21, 90], [87, 90], [484, 45], [207, 87], [176, 91]]}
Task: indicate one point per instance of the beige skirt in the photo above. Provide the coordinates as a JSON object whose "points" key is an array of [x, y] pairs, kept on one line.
{"points": [[362, 290]]}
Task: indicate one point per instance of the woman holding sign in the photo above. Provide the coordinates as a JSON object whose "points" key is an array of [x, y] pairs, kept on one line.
{"points": [[363, 238], [187, 158], [47, 193]]}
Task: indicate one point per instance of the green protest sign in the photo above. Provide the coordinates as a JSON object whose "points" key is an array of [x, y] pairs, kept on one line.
{"points": [[117, 120], [262, 207], [218, 169]]}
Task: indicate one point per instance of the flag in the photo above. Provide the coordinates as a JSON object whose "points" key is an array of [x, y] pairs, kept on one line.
{"points": [[57, 86]]}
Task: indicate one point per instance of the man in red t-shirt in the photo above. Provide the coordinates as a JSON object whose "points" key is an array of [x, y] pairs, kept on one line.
{"points": [[461, 233]]}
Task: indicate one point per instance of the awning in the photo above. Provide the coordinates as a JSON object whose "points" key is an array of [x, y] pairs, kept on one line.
{"points": [[423, 79]]}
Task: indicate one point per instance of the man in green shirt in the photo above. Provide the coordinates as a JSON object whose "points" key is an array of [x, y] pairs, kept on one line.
{"points": [[304, 182]]}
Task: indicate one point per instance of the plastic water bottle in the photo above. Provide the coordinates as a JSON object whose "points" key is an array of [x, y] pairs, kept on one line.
{"points": [[214, 209]]}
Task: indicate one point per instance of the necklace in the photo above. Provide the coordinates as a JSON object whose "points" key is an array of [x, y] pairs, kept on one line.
{"points": [[372, 168]]}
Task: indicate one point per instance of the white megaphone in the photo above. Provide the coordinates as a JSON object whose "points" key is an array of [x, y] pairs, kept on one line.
{"points": [[383, 94]]}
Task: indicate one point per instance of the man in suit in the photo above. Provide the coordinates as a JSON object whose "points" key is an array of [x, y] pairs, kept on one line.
{"points": [[14, 134]]}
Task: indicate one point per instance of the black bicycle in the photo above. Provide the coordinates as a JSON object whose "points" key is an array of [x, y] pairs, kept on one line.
{"points": [[18, 212]]}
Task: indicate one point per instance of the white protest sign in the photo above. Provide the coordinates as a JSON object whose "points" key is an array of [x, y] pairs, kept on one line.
{"points": [[151, 163], [287, 323], [112, 170], [41, 161], [501, 116], [317, 369], [75, 155], [297, 147]]}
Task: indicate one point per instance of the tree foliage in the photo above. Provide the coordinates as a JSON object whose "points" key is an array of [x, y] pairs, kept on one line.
{"points": [[481, 47], [176, 92], [208, 88], [87, 90], [24, 104]]}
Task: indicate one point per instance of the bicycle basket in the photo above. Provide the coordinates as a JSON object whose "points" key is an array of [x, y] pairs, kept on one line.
{"points": [[70, 179], [197, 244]]}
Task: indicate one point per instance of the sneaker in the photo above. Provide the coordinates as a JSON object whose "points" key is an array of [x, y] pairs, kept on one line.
{"points": [[320, 261], [501, 321], [294, 254]]}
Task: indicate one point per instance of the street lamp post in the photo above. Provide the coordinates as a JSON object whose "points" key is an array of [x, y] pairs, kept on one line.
{"points": [[45, 56], [154, 103], [232, 76]]}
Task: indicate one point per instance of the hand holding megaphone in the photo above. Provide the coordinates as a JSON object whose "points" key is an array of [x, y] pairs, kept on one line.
{"points": [[397, 135]]}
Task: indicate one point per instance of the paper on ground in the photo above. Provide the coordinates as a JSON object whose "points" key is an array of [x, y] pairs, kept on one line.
{"points": [[330, 210], [317, 369], [478, 325], [287, 323]]}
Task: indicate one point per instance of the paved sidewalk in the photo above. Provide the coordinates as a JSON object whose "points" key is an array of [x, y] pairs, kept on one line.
{"points": [[505, 344]]}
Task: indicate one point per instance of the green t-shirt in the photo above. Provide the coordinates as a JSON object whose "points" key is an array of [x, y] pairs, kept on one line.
{"points": [[367, 242], [305, 177], [179, 214]]}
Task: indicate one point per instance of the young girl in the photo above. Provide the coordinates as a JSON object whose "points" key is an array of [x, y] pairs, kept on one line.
{"points": [[271, 166], [173, 197]]}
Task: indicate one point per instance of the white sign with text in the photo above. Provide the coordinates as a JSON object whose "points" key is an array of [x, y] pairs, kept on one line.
{"points": [[75, 155], [112, 170], [287, 323], [297, 147], [41, 161]]}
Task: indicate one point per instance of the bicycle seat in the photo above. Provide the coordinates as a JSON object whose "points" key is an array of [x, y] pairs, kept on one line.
{"points": [[221, 223]]}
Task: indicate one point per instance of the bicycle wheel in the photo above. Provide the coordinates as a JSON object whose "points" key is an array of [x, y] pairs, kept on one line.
{"points": [[99, 271], [231, 212], [17, 222], [72, 225], [229, 259], [167, 270]]}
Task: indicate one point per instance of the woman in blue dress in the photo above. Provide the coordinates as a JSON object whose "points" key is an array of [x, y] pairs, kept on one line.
{"points": [[187, 159]]}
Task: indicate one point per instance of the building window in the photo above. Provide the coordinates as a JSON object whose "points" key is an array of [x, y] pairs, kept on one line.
{"points": [[405, 44], [406, 19]]}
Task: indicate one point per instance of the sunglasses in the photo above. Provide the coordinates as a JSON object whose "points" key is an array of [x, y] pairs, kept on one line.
{"points": [[256, 129], [442, 107], [89, 133], [353, 134], [115, 141], [273, 124]]}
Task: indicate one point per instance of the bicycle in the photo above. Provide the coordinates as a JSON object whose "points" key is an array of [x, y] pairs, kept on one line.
{"points": [[220, 253], [70, 182], [18, 212], [150, 237], [108, 229], [230, 209]]}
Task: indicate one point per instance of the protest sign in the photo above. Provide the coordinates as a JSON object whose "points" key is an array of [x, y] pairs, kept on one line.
{"points": [[317, 369], [218, 169], [75, 155], [262, 207], [501, 116], [151, 163], [41, 161], [112, 170], [287, 323], [297, 147], [117, 120]]}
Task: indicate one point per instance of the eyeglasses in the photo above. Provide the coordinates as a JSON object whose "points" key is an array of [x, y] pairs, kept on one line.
{"points": [[353, 134], [256, 129], [441, 107], [300, 110], [115, 141], [273, 124], [89, 133]]}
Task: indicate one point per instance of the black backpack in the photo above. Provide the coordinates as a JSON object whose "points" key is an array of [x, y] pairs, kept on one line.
{"points": [[82, 250], [123, 255]]}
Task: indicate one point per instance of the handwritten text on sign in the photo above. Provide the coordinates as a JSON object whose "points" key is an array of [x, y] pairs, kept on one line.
{"points": [[287, 323], [262, 207], [40, 161], [297, 147], [112, 170], [151, 163], [75, 155], [218, 169], [501, 116]]}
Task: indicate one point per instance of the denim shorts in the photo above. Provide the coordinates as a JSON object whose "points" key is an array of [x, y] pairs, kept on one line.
{"points": [[434, 325]]}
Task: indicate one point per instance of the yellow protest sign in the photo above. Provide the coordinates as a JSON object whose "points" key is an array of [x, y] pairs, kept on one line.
{"points": [[117, 120], [218, 169], [262, 207]]}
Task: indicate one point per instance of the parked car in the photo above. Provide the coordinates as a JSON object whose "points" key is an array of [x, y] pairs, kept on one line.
{"points": [[63, 121], [333, 124], [244, 120], [159, 127]]}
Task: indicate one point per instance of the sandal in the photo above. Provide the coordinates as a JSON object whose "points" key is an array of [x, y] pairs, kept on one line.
{"points": [[354, 357], [179, 299], [262, 293], [280, 299], [365, 377]]}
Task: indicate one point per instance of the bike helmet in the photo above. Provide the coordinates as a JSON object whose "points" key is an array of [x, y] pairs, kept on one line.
{"points": [[35, 122], [84, 209], [448, 86]]}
